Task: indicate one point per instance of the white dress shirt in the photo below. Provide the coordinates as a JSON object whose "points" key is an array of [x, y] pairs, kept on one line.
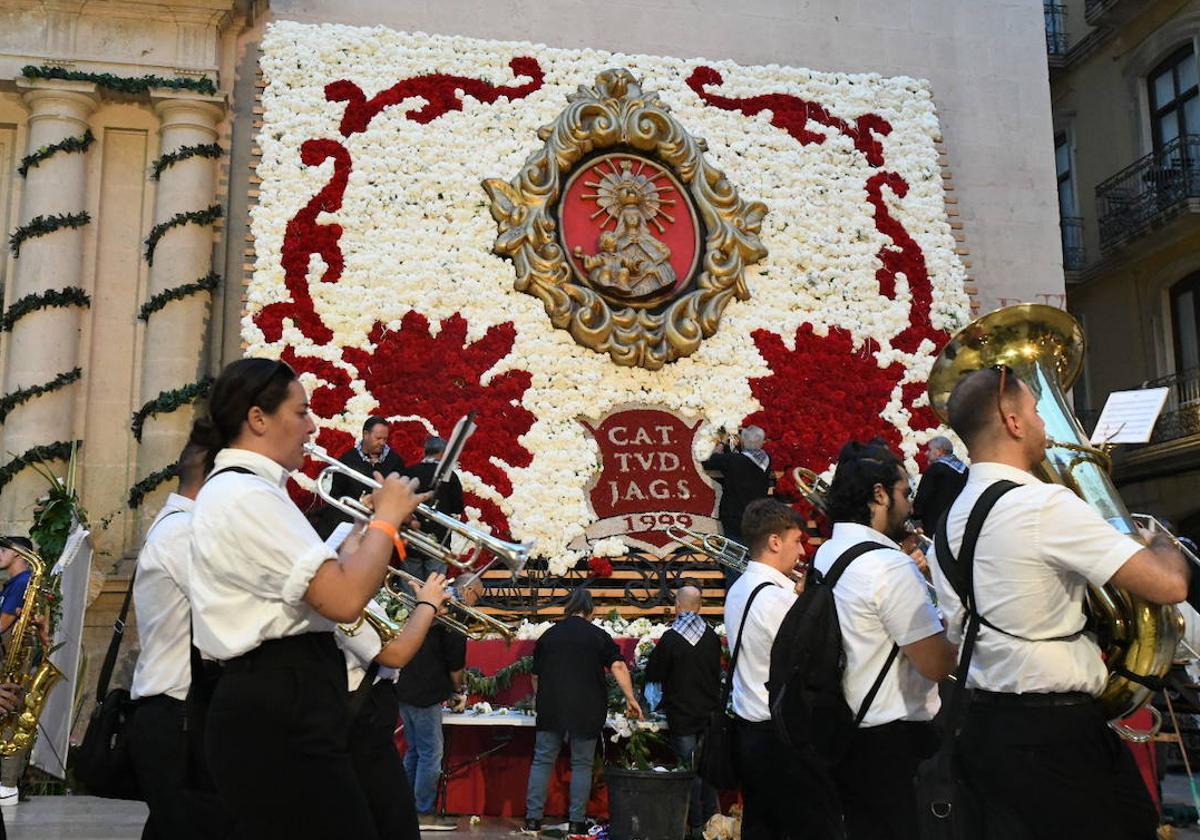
{"points": [[766, 614], [164, 617], [360, 649], [881, 600], [255, 554], [1039, 548]]}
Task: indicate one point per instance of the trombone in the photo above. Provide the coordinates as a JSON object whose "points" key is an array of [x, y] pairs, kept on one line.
{"points": [[812, 487], [512, 554], [733, 555], [470, 621]]}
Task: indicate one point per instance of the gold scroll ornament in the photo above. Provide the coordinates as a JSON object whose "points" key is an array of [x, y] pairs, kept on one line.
{"points": [[624, 307]]}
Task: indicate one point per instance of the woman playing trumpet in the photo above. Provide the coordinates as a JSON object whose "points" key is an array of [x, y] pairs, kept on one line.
{"points": [[266, 594]]}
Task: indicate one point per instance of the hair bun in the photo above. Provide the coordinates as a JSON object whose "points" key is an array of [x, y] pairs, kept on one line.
{"points": [[204, 433]]}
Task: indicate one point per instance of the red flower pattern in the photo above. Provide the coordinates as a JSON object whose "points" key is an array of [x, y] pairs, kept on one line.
{"points": [[793, 114], [438, 377], [442, 94], [600, 567], [820, 395]]}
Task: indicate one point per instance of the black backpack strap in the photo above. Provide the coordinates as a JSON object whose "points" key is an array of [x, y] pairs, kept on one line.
{"points": [[242, 470], [830, 579], [738, 645], [965, 563], [848, 556], [875, 686], [118, 634], [957, 576]]}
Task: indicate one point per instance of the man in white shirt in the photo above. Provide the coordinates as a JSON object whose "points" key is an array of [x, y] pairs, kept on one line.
{"points": [[782, 796], [1035, 746], [891, 636], [157, 740]]}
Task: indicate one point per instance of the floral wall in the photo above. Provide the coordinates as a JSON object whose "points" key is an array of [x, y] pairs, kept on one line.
{"points": [[375, 273]]}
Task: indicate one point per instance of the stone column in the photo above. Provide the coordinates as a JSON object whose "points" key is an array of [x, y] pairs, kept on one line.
{"points": [[175, 338], [45, 343]]}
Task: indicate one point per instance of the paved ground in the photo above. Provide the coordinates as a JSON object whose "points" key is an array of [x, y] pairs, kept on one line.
{"points": [[88, 818]]}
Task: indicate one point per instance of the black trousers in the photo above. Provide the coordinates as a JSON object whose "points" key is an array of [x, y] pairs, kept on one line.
{"points": [[875, 779], [379, 766], [277, 744], [784, 794], [158, 749], [1053, 772]]}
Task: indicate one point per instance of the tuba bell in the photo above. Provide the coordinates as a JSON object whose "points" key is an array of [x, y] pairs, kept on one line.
{"points": [[1044, 346]]}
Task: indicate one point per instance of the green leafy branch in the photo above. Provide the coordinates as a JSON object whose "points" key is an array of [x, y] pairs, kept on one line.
{"points": [[207, 150], [169, 401], [206, 283], [58, 451], [139, 491], [68, 145], [70, 296], [123, 84], [23, 395], [489, 687], [43, 225], [194, 217]]}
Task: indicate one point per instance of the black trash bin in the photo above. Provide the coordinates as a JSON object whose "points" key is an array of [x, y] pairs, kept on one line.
{"points": [[647, 805]]}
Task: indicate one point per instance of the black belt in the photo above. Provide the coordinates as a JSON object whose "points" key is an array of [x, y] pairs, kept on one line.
{"points": [[317, 651], [1032, 700], [754, 725]]}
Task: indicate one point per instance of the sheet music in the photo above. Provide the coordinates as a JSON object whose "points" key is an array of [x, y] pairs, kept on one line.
{"points": [[335, 540], [1129, 416]]}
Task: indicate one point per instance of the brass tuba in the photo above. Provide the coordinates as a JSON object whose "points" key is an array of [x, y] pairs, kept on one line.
{"points": [[1044, 347], [35, 680]]}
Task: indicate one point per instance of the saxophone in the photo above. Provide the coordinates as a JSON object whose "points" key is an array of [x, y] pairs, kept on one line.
{"points": [[35, 679], [1044, 346]]}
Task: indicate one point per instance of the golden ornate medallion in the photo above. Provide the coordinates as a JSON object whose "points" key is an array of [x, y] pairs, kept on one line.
{"points": [[619, 225]]}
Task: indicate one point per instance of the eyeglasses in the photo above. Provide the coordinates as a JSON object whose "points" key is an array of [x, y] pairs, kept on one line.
{"points": [[1005, 371]]}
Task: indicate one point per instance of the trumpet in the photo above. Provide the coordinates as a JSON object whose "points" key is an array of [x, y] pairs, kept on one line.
{"points": [[513, 555], [814, 488], [470, 621], [733, 555]]}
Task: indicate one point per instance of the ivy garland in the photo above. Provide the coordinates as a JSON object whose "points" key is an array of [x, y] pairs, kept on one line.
{"points": [[68, 145], [196, 217], [206, 283], [42, 225], [208, 150], [23, 395], [139, 491], [70, 296], [489, 687], [169, 401], [124, 84], [60, 450]]}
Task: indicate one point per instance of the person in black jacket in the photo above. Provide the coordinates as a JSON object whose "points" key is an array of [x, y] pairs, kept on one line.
{"points": [[686, 662], [940, 485], [746, 476], [448, 499], [370, 455], [569, 661]]}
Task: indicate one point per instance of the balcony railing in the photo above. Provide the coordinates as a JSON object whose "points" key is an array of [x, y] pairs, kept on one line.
{"points": [[1056, 29], [1128, 202], [1074, 255], [1181, 414]]}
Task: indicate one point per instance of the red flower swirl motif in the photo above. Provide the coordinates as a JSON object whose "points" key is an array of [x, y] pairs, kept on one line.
{"points": [[328, 399], [904, 255], [439, 378], [792, 114], [303, 238], [819, 396], [442, 94]]}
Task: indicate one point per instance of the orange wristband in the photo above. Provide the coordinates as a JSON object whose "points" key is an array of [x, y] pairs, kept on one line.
{"points": [[389, 529]]}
